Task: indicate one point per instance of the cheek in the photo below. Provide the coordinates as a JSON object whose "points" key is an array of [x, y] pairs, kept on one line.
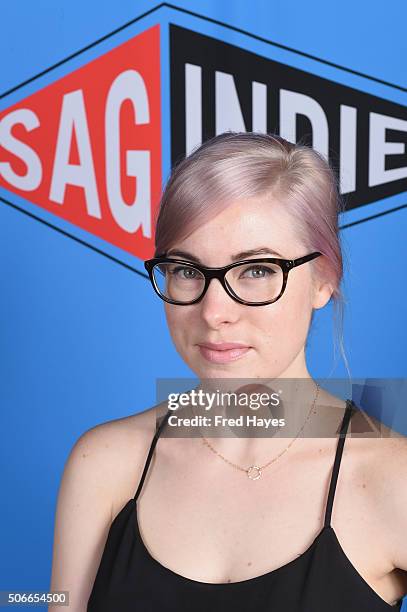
{"points": [[172, 317], [179, 320], [298, 295], [285, 323]]}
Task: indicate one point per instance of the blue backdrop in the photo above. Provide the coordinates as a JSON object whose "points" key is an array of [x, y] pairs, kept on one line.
{"points": [[83, 337]]}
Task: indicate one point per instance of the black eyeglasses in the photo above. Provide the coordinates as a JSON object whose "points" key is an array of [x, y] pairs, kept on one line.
{"points": [[253, 282]]}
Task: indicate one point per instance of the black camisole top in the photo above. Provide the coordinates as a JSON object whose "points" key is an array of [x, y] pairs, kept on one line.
{"points": [[321, 579]]}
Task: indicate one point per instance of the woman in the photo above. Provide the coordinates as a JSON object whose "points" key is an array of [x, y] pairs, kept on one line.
{"points": [[239, 523]]}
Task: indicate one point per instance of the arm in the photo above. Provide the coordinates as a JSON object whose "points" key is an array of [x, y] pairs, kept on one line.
{"points": [[397, 513], [83, 517]]}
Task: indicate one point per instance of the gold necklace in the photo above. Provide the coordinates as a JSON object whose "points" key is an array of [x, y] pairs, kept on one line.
{"points": [[254, 471]]}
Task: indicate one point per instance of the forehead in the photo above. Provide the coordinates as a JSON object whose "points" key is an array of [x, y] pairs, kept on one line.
{"points": [[244, 224]]}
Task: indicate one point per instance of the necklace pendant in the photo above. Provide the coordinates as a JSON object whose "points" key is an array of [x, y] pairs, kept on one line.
{"points": [[254, 472]]}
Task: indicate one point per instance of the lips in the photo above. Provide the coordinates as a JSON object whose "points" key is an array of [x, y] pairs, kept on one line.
{"points": [[223, 346], [223, 352]]}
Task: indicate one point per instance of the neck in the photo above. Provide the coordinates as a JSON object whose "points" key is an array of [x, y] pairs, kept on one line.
{"points": [[256, 420]]}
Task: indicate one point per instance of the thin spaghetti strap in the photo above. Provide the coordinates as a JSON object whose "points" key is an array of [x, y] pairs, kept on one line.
{"points": [[150, 453], [338, 456]]}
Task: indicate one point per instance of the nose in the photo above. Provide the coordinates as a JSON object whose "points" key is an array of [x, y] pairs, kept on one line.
{"points": [[217, 306]]}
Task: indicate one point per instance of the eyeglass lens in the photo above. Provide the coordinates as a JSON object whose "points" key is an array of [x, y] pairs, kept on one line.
{"points": [[258, 282]]}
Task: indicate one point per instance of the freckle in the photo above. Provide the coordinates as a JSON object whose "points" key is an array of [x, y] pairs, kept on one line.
{"points": [[364, 486], [84, 455], [249, 563]]}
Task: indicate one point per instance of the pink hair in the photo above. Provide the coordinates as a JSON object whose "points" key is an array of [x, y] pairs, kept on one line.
{"points": [[232, 166]]}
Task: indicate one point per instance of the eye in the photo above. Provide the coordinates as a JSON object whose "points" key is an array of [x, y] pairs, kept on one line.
{"points": [[191, 272], [264, 271]]}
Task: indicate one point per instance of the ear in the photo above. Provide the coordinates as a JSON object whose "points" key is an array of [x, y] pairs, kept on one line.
{"points": [[323, 286], [322, 294]]}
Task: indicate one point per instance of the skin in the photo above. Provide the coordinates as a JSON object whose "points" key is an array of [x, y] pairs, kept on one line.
{"points": [[277, 332], [241, 528]]}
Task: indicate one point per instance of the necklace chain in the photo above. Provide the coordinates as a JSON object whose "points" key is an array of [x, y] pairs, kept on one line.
{"points": [[254, 471]]}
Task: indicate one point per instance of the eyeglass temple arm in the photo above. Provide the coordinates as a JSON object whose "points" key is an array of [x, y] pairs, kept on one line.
{"points": [[301, 260]]}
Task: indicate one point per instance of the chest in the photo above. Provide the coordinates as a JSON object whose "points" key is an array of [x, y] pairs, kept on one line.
{"points": [[209, 522]]}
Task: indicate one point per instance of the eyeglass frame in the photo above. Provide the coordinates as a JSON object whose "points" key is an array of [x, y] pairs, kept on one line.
{"points": [[209, 273]]}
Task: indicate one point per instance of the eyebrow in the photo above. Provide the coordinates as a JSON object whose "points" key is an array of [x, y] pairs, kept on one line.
{"points": [[236, 257]]}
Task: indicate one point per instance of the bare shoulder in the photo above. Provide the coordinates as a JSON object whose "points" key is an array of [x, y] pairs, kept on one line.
{"points": [[380, 454], [381, 447], [391, 478], [99, 477], [116, 451]]}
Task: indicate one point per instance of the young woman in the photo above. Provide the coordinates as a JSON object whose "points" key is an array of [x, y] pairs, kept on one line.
{"points": [[247, 247]]}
